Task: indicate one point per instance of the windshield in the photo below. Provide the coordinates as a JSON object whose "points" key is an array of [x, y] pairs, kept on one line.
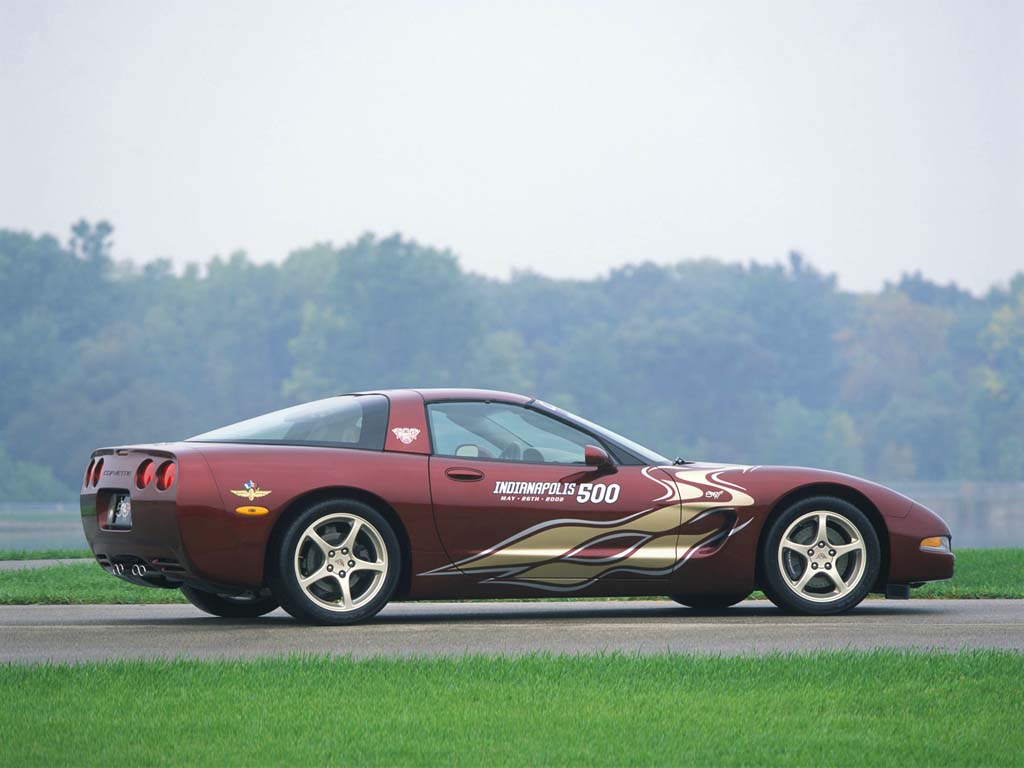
{"points": [[348, 421], [646, 454]]}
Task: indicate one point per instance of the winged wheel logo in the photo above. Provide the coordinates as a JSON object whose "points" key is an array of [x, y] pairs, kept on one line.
{"points": [[251, 491]]}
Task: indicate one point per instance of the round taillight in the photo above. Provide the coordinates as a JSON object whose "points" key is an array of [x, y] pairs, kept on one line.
{"points": [[144, 474], [165, 475], [88, 473], [97, 472]]}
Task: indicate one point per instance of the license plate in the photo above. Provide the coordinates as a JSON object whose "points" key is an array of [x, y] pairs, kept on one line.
{"points": [[120, 513]]}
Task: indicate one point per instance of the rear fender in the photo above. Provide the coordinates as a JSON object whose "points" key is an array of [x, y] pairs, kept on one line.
{"points": [[229, 545]]}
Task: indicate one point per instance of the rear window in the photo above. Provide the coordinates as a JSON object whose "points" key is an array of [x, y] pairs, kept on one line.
{"points": [[348, 421]]}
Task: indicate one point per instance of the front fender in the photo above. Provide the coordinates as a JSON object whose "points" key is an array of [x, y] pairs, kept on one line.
{"points": [[732, 568]]}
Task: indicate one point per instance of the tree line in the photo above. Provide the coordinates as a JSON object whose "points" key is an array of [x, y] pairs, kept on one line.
{"points": [[702, 359]]}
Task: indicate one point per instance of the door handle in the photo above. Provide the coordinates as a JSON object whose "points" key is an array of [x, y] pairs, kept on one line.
{"points": [[464, 474]]}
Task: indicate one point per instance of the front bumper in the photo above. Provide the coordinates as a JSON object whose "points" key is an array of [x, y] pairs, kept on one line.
{"points": [[908, 563]]}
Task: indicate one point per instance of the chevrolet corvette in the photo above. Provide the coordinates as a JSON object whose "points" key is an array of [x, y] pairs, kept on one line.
{"points": [[333, 508]]}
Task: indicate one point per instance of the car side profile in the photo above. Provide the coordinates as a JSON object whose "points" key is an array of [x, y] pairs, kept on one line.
{"points": [[333, 508]]}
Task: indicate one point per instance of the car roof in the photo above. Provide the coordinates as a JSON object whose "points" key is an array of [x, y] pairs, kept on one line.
{"points": [[433, 395], [436, 394]]}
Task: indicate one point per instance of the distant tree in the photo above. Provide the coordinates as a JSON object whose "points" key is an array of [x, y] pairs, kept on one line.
{"points": [[24, 481], [1002, 411], [91, 242], [920, 290], [1003, 342], [703, 359], [393, 312]]}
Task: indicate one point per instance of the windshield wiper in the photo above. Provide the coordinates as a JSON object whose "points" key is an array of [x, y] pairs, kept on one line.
{"points": [[679, 462]]}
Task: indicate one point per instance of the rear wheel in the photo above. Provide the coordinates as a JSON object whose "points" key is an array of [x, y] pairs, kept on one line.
{"points": [[230, 606], [821, 556], [710, 602], [338, 563]]}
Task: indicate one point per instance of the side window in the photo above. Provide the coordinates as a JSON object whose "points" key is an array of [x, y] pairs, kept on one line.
{"points": [[453, 439], [506, 432], [347, 421], [361, 424]]}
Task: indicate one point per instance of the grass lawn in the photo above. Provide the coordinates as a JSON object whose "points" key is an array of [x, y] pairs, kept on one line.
{"points": [[979, 573], [843, 708], [74, 584], [42, 554]]}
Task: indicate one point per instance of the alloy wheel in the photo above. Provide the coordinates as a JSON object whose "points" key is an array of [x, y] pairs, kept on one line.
{"points": [[341, 562], [822, 556]]}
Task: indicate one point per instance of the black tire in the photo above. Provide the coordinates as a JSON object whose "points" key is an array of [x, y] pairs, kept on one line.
{"points": [[230, 606], [824, 563], [324, 600], [708, 602]]}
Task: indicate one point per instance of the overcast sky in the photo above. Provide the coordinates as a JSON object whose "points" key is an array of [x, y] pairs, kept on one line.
{"points": [[564, 137]]}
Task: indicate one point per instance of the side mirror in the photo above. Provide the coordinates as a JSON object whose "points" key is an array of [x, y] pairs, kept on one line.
{"points": [[593, 456]]}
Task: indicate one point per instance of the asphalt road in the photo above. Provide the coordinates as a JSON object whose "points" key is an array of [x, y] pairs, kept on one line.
{"points": [[88, 632]]}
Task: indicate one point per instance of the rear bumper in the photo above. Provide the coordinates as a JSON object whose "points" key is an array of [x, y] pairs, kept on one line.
{"points": [[154, 542], [169, 543], [151, 554]]}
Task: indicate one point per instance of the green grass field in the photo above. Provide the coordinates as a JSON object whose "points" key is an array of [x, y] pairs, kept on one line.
{"points": [[844, 708], [979, 573], [76, 584], [42, 554]]}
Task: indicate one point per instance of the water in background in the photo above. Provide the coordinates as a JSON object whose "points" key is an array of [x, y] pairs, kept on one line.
{"points": [[979, 515]]}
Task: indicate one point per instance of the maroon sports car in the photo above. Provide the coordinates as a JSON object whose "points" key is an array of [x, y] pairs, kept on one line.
{"points": [[333, 508]]}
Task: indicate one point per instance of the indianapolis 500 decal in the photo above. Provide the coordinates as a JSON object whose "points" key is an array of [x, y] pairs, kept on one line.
{"points": [[569, 554]]}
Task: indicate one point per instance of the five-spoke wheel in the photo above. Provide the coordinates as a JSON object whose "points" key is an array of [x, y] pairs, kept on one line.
{"points": [[820, 556], [338, 563]]}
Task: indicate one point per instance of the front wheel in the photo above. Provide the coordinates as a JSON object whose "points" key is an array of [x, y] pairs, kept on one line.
{"points": [[821, 556], [229, 606], [338, 563], [710, 602]]}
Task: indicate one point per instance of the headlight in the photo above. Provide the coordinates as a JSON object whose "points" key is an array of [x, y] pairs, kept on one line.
{"points": [[936, 544]]}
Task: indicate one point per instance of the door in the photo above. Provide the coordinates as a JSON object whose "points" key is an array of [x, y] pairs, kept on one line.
{"points": [[515, 503]]}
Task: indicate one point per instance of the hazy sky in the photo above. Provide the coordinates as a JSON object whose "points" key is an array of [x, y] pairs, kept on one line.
{"points": [[564, 137]]}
